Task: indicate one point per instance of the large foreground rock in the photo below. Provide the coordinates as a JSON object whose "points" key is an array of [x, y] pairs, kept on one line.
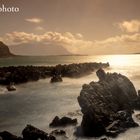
{"points": [[107, 105]]}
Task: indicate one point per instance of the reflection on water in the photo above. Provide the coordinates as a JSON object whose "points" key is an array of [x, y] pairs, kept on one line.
{"points": [[114, 60], [38, 102]]}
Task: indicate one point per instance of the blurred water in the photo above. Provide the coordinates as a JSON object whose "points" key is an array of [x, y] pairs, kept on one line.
{"points": [[37, 103]]}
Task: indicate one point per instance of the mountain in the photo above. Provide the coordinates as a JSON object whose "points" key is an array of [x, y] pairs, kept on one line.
{"points": [[37, 49], [4, 50]]}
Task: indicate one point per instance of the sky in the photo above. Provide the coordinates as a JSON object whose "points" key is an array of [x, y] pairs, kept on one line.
{"points": [[76, 26]]}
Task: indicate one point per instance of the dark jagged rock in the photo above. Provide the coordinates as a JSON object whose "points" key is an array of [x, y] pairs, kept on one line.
{"points": [[33, 133], [4, 50], [103, 138], [5, 135], [107, 105], [64, 121], [11, 87], [23, 74], [29, 133], [139, 93], [78, 70], [56, 78], [123, 121], [136, 102]]}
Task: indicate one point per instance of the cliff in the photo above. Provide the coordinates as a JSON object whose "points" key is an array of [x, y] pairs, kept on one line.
{"points": [[4, 50]]}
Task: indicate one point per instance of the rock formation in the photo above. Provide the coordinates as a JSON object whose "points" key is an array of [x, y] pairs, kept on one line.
{"points": [[23, 74], [107, 105], [29, 133], [64, 121], [56, 78], [4, 50], [32, 133], [5, 135], [11, 87]]}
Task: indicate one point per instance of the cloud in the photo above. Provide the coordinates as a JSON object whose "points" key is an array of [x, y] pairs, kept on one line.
{"points": [[34, 20], [39, 28], [80, 36], [130, 26], [72, 42], [75, 43], [135, 38], [119, 44]]}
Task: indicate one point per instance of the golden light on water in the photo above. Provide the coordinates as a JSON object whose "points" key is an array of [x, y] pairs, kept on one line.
{"points": [[119, 60]]}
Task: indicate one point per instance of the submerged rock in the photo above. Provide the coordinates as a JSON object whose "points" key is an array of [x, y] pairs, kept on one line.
{"points": [[64, 121], [107, 105]]}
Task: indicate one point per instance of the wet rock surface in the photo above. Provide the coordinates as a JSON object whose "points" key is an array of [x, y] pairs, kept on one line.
{"points": [[23, 74], [5, 135], [107, 105], [11, 87], [29, 133], [32, 133], [56, 78], [64, 121]]}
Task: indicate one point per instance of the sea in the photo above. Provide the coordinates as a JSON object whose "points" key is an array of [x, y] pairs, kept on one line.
{"points": [[37, 103]]}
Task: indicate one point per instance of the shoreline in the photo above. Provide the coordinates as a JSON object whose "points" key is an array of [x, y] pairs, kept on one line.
{"points": [[67, 130]]}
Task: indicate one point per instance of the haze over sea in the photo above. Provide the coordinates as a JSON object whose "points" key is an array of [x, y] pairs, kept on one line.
{"points": [[37, 103]]}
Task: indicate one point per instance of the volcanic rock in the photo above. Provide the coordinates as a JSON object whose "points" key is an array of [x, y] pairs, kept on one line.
{"points": [[107, 105], [32, 133], [23, 74], [5, 135], [56, 78], [64, 121], [11, 87]]}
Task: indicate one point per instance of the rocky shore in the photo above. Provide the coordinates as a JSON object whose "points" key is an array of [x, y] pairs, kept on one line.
{"points": [[32, 133], [107, 105], [23, 74], [29, 133]]}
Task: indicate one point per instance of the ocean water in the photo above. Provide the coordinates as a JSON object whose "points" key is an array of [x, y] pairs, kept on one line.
{"points": [[37, 103]]}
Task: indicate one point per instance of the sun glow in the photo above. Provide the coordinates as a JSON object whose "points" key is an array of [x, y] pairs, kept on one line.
{"points": [[120, 60]]}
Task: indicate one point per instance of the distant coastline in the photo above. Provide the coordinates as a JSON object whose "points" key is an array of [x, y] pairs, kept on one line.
{"points": [[5, 53]]}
